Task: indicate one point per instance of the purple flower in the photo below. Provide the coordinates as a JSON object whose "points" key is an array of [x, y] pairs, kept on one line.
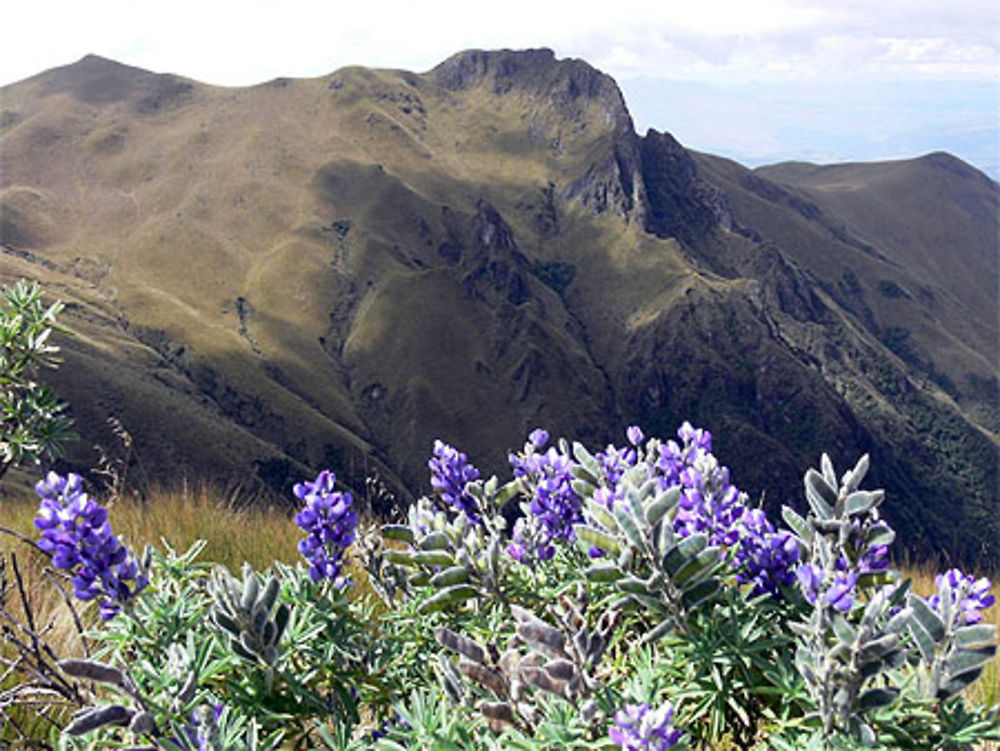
{"points": [[450, 473], [810, 577], [639, 728], [970, 595], [329, 523], [634, 435], [76, 533], [764, 557], [553, 506], [538, 437], [709, 503], [841, 593]]}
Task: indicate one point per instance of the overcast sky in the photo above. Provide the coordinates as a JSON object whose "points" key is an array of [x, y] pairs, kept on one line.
{"points": [[757, 80]]}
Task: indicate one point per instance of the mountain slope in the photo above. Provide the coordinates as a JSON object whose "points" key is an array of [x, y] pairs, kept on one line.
{"points": [[335, 271]]}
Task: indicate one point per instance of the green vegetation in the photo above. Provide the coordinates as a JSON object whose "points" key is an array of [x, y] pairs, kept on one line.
{"points": [[33, 425], [460, 633]]}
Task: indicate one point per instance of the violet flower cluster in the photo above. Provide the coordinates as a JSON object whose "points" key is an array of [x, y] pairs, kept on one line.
{"points": [[330, 525], [969, 596], [639, 728], [839, 593], [764, 557], [554, 506], [75, 531], [709, 503], [450, 473]]}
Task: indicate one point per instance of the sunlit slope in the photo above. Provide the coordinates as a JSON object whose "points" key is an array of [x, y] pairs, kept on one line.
{"points": [[335, 271]]}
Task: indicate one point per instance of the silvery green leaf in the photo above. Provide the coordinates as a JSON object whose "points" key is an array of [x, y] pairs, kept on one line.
{"points": [[186, 693], [582, 488], [399, 557], [433, 558], [281, 617], [270, 595], [251, 588], [858, 474], [957, 685], [490, 487], [666, 539], [979, 635], [802, 529], [606, 573], [662, 504], [877, 697], [398, 532], [966, 660], [879, 648], [270, 654], [898, 622], [927, 618], [632, 585], [879, 534], [435, 541], [601, 515], [113, 714], [452, 575], [828, 474], [268, 632], [686, 549], [450, 596], [703, 592], [821, 496], [258, 619], [843, 630], [628, 526], [597, 538], [505, 493], [661, 630], [697, 569], [862, 501], [585, 459], [924, 641], [240, 651], [93, 670], [418, 579]]}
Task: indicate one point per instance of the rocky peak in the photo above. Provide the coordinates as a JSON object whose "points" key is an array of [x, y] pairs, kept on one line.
{"points": [[679, 203]]}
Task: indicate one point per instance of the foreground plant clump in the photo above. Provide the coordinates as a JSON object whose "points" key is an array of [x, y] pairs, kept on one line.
{"points": [[636, 601]]}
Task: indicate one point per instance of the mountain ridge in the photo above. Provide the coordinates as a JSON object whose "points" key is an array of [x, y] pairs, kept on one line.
{"points": [[333, 271]]}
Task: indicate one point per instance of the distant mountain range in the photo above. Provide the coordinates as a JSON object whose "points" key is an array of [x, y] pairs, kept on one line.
{"points": [[333, 272]]}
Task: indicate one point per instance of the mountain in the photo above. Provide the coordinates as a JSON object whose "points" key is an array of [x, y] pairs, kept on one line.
{"points": [[335, 271]]}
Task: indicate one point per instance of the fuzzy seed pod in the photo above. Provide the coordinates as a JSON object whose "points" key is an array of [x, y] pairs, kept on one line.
{"points": [[113, 714], [93, 670]]}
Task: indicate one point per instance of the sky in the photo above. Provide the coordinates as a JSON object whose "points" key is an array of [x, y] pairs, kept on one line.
{"points": [[756, 80]]}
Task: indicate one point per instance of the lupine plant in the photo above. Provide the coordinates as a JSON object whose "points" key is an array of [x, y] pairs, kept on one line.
{"points": [[33, 421], [639, 601]]}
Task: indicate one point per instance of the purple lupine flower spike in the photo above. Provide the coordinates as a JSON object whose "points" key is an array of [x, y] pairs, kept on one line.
{"points": [[970, 595], [330, 525], [75, 531], [450, 473]]}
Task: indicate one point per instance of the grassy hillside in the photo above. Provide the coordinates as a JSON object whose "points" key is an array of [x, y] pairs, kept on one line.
{"points": [[335, 271]]}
